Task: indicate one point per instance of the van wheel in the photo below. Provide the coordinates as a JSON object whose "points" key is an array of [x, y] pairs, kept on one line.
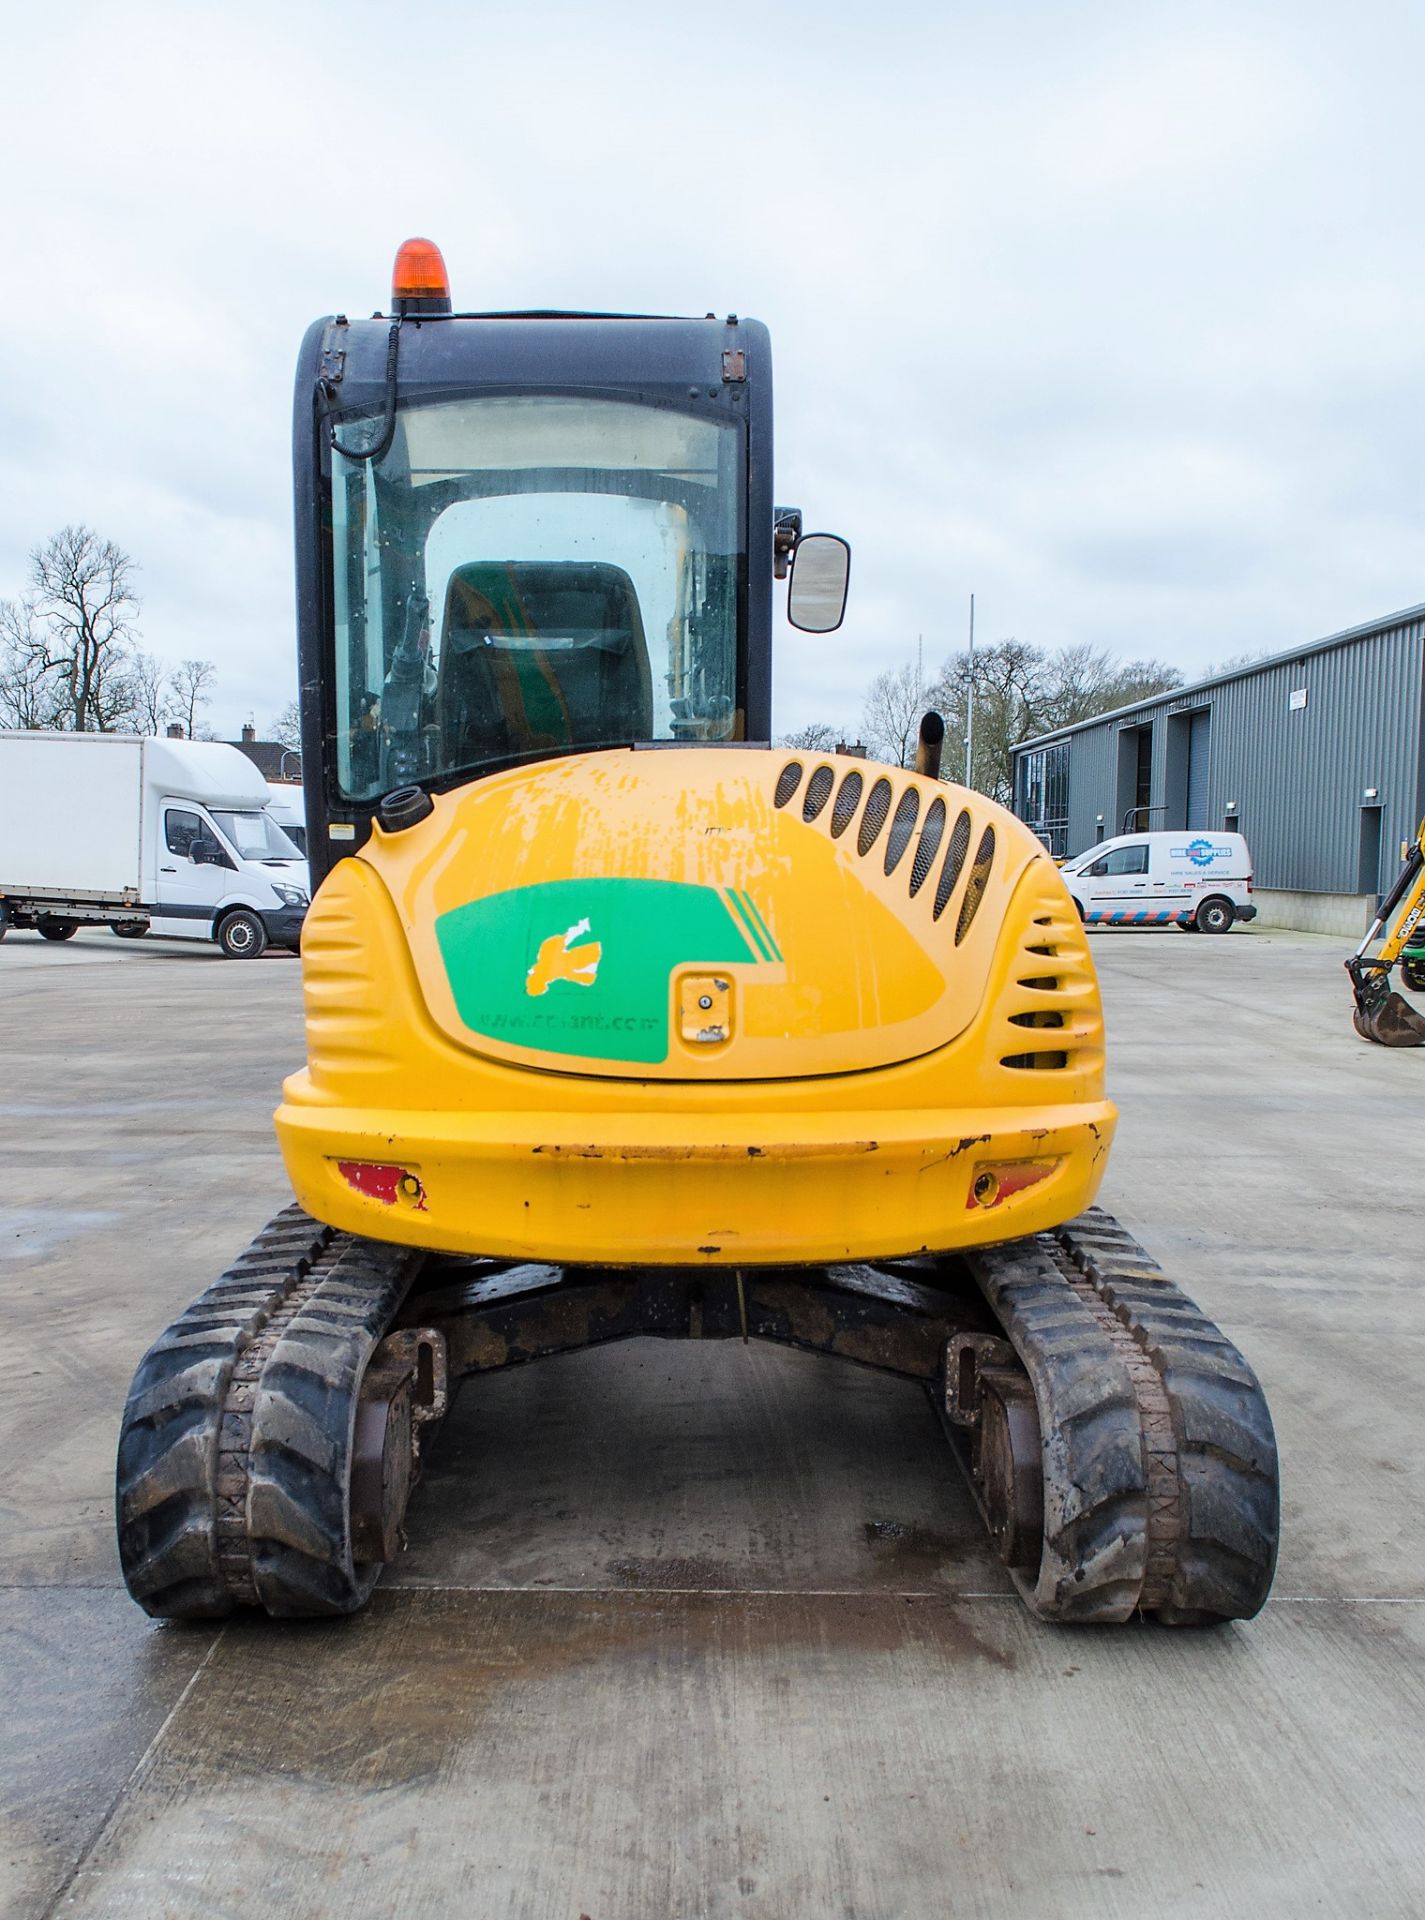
{"points": [[131, 929], [1214, 916], [242, 935], [57, 929]]}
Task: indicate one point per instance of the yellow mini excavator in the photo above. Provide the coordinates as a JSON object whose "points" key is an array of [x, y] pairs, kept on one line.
{"points": [[622, 1022], [1382, 1014]]}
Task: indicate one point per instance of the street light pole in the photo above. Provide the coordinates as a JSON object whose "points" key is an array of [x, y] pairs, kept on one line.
{"points": [[970, 696]]}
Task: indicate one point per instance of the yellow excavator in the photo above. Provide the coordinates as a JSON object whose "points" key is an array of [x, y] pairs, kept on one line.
{"points": [[1382, 1014], [622, 1022]]}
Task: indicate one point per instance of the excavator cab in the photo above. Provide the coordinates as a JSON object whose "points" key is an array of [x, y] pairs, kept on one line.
{"points": [[623, 1022]]}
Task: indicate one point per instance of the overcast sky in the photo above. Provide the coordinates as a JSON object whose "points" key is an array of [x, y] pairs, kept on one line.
{"points": [[1111, 314]]}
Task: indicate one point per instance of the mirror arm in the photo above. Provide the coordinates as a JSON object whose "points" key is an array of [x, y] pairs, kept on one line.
{"points": [[786, 531]]}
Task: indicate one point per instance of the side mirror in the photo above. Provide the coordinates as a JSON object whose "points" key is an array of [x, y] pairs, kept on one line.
{"points": [[821, 573], [205, 852]]}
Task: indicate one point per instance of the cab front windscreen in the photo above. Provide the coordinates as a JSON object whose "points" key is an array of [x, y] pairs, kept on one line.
{"points": [[527, 575], [256, 835]]}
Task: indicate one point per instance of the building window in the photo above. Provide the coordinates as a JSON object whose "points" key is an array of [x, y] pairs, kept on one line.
{"points": [[1143, 778], [1044, 795]]}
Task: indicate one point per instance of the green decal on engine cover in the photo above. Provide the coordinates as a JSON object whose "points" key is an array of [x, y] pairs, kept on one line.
{"points": [[582, 966]]}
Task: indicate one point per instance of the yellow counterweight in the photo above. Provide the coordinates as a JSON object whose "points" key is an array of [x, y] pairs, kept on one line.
{"points": [[699, 1005]]}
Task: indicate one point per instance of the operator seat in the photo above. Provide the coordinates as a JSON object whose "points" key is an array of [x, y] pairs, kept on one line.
{"points": [[539, 656]]}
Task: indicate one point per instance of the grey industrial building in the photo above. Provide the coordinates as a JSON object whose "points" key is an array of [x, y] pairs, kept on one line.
{"points": [[1317, 755]]}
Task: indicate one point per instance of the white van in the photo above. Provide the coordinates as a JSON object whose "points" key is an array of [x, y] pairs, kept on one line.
{"points": [[286, 806], [1189, 879], [145, 836]]}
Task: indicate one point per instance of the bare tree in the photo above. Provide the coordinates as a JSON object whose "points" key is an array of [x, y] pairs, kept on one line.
{"points": [[1080, 682], [1002, 681], [1234, 661], [287, 727], [83, 605], [151, 694], [895, 702], [190, 681], [1070, 684], [1021, 690], [818, 737], [1140, 680], [30, 693]]}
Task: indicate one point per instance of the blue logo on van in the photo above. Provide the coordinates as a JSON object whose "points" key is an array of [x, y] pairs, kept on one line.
{"points": [[1202, 853]]}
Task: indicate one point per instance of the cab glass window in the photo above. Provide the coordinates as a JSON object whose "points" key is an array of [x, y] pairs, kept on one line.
{"points": [[1122, 860], [180, 830], [525, 575], [256, 835]]}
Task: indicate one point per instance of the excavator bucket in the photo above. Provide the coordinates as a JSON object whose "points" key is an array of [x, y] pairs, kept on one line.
{"points": [[1382, 1014]]}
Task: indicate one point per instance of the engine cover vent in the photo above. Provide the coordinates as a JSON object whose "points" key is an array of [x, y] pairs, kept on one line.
{"points": [[975, 886], [878, 805], [902, 827], [930, 837], [954, 861], [788, 780], [818, 792], [848, 798]]}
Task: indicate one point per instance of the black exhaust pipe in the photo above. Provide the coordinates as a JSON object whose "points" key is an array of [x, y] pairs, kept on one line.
{"points": [[928, 746]]}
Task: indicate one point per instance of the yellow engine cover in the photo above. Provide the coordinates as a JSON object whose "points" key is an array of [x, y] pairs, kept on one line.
{"points": [[698, 1003]]}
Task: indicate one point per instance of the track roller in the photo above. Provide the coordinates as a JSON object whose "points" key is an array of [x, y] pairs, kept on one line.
{"points": [[1124, 1458], [1011, 1467]]}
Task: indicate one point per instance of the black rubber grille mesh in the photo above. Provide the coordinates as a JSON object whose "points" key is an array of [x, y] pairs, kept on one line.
{"points": [[788, 780], [878, 805], [848, 798], [954, 861], [818, 792], [976, 884], [902, 827], [931, 834]]}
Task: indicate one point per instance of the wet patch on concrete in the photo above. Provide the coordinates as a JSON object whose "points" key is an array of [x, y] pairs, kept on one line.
{"points": [[383, 1700], [521, 1755], [915, 1551], [88, 1683], [678, 1571]]}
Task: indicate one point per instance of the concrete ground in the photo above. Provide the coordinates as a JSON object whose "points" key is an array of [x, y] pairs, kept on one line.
{"points": [[704, 1630]]}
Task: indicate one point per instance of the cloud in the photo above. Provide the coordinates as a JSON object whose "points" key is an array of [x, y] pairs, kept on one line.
{"points": [[1111, 316]]}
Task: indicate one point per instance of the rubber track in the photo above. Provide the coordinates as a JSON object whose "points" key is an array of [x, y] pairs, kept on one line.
{"points": [[167, 1491], [303, 1425], [1226, 1449], [234, 1454], [1096, 1498]]}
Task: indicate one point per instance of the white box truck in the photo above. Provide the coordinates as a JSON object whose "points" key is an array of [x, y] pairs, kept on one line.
{"points": [[288, 808], [1193, 879], [145, 836]]}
